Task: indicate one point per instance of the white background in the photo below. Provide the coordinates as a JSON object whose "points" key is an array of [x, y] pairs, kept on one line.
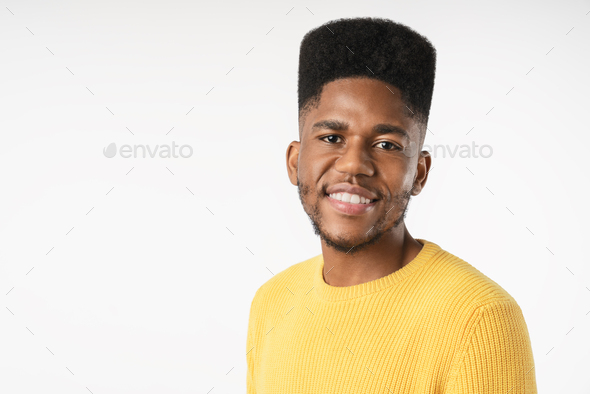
{"points": [[151, 289]]}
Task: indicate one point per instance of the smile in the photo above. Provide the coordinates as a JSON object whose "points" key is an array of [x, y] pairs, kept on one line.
{"points": [[350, 204], [351, 198]]}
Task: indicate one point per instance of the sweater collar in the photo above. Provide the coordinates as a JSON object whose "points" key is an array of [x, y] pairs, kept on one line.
{"points": [[336, 293]]}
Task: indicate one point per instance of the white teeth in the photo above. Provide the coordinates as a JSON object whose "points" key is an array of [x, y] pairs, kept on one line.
{"points": [[350, 198]]}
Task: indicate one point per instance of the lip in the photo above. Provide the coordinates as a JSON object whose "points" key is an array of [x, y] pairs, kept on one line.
{"points": [[351, 209]]}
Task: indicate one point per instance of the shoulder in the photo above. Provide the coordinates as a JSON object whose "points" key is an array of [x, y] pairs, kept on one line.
{"points": [[296, 277], [462, 283]]}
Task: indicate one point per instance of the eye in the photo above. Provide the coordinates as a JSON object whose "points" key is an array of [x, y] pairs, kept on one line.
{"points": [[393, 146], [333, 136]]}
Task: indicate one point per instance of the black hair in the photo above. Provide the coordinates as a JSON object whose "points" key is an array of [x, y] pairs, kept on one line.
{"points": [[372, 48]]}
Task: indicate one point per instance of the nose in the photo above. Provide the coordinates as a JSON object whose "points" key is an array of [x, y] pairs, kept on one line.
{"points": [[355, 160]]}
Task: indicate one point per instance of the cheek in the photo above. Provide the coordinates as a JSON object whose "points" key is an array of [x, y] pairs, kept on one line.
{"points": [[311, 167], [401, 178], [408, 180], [409, 171]]}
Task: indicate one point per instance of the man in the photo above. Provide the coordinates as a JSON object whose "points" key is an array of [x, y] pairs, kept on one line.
{"points": [[378, 311]]}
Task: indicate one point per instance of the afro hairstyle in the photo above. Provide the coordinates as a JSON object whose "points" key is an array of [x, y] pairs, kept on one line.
{"points": [[368, 48]]}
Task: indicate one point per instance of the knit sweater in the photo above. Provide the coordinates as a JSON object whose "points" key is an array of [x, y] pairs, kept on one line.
{"points": [[437, 325]]}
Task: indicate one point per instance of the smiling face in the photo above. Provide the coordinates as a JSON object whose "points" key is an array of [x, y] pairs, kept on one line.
{"points": [[358, 136]]}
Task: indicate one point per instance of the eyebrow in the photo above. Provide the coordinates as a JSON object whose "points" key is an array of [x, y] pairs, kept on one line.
{"points": [[338, 125]]}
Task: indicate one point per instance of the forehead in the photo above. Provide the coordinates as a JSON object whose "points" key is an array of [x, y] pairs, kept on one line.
{"points": [[362, 102]]}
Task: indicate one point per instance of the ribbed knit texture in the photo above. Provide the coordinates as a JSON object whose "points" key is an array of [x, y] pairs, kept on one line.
{"points": [[437, 325]]}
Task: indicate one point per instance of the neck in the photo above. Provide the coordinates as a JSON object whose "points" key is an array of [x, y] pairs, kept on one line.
{"points": [[393, 251]]}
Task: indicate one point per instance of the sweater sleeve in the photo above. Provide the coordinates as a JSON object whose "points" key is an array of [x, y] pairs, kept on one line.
{"points": [[498, 357], [251, 345]]}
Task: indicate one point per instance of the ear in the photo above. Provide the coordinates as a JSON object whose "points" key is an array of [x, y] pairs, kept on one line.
{"points": [[422, 170], [293, 161]]}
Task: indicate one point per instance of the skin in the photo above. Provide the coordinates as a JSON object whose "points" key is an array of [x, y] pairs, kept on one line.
{"points": [[359, 249]]}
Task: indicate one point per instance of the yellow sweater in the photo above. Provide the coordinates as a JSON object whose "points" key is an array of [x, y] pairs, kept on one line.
{"points": [[437, 325]]}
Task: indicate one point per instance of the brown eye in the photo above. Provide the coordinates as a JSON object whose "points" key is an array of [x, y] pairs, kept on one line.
{"points": [[392, 145], [330, 136]]}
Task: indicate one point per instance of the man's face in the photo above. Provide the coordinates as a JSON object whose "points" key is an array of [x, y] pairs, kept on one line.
{"points": [[343, 142]]}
